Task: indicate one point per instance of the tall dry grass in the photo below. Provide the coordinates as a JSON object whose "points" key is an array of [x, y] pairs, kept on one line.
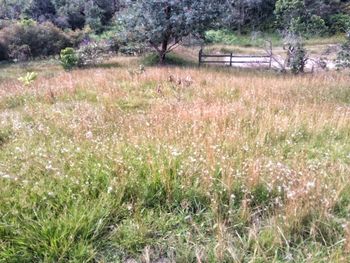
{"points": [[175, 164]]}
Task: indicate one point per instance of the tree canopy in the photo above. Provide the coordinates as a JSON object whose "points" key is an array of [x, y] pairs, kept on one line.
{"points": [[164, 23]]}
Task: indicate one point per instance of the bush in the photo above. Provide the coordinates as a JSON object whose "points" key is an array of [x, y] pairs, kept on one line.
{"points": [[93, 53], [312, 26], [69, 58], [40, 39], [297, 58], [316, 26], [29, 78], [19, 53], [339, 23], [343, 58]]}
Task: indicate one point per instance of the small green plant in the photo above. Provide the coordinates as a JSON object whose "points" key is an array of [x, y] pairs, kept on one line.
{"points": [[69, 58], [29, 78], [343, 57], [297, 56], [27, 22]]}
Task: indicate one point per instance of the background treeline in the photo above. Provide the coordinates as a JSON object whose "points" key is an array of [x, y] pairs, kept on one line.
{"points": [[72, 14], [43, 27]]}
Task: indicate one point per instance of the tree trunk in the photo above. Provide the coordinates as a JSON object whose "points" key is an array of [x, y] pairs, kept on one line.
{"points": [[165, 43], [163, 51]]}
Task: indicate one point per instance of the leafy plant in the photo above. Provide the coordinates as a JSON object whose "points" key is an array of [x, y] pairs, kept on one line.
{"points": [[69, 58], [340, 23], [297, 56], [29, 78]]}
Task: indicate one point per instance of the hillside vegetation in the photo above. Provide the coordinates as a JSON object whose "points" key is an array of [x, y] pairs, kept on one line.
{"points": [[173, 164]]}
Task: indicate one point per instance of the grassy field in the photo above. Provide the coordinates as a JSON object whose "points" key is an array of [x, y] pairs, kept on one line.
{"points": [[173, 164]]}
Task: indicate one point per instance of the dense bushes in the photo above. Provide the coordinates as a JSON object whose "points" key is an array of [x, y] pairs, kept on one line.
{"points": [[339, 23], [21, 41], [88, 54]]}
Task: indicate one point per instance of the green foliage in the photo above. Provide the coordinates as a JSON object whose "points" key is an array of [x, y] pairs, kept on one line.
{"points": [[316, 26], [243, 16], [37, 40], [27, 22], [342, 207], [171, 59], [231, 38], [340, 23], [5, 134], [69, 59], [163, 24], [88, 54], [249, 15], [289, 11], [297, 57], [66, 14], [295, 17], [29, 78]]}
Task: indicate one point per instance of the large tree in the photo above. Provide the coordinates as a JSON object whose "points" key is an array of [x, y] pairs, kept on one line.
{"points": [[164, 23], [12, 9], [41, 10]]}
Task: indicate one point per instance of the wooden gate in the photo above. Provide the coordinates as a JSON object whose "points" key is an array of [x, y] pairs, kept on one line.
{"points": [[231, 59]]}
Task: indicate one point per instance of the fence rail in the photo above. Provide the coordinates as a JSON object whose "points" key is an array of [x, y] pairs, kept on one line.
{"points": [[232, 59]]}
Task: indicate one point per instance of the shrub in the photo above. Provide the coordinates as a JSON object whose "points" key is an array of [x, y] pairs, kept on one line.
{"points": [[316, 26], [29, 78], [41, 39], [340, 23], [297, 56], [93, 53], [19, 53], [343, 58], [90, 53], [69, 58], [310, 26]]}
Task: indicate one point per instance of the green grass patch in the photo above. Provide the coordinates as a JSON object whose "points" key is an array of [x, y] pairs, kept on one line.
{"points": [[230, 38], [170, 60]]}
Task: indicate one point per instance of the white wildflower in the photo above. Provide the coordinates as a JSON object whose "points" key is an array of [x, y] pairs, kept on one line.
{"points": [[89, 135]]}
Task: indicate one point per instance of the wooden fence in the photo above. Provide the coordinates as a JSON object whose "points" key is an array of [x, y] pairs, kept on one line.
{"points": [[231, 59]]}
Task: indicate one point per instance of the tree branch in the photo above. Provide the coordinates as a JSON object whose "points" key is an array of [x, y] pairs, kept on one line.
{"points": [[155, 46], [173, 46]]}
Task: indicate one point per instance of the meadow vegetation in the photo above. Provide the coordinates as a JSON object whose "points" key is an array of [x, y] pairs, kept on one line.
{"points": [[173, 164]]}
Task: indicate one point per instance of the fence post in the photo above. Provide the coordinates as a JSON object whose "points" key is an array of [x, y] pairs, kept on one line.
{"points": [[231, 55], [200, 57], [270, 64]]}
